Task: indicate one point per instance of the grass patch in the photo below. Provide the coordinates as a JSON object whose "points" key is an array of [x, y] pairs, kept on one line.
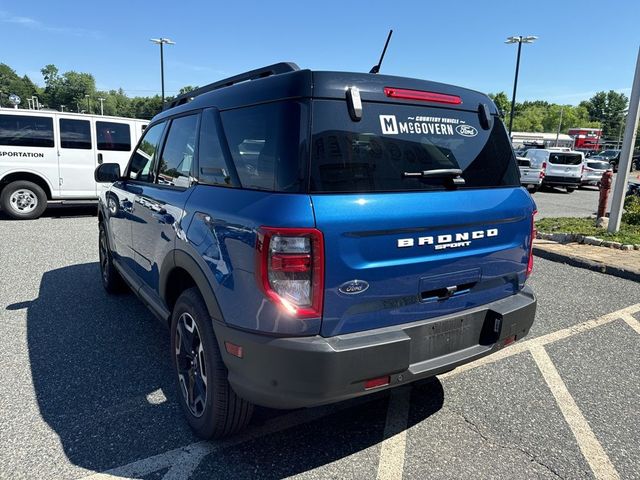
{"points": [[628, 234]]}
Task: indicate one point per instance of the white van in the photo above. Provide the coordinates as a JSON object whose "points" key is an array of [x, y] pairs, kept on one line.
{"points": [[561, 168], [50, 156]]}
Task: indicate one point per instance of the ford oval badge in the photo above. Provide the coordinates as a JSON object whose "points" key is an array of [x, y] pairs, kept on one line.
{"points": [[353, 287]]}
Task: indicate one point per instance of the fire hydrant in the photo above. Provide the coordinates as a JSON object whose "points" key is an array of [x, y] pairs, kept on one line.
{"points": [[605, 188]]}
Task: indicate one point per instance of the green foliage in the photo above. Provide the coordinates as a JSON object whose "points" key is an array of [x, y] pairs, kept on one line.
{"points": [[628, 234], [502, 102], [607, 108], [631, 213]]}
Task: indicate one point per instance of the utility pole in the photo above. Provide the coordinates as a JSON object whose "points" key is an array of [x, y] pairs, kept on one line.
{"points": [[629, 141], [559, 126], [162, 41], [101, 106]]}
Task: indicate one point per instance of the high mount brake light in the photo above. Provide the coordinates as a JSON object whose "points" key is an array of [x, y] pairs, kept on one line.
{"points": [[533, 235], [407, 94], [290, 269]]}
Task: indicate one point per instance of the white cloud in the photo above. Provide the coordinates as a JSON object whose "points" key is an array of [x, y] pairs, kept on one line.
{"points": [[28, 22]]}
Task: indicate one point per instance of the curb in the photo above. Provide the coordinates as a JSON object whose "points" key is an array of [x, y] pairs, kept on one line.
{"points": [[580, 262]]}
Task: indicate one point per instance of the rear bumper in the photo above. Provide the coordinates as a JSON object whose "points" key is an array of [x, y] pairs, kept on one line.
{"points": [[309, 371], [567, 181]]}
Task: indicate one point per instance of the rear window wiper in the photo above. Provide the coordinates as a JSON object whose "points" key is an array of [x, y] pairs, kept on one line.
{"points": [[451, 174]]}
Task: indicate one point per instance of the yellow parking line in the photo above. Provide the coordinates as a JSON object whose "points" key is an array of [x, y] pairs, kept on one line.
{"points": [[392, 449], [632, 322], [589, 445]]}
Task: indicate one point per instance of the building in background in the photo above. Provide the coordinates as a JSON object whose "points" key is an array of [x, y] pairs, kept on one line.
{"points": [[587, 138], [540, 140]]}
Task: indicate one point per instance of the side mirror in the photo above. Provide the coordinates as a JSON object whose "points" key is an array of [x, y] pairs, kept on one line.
{"points": [[107, 173]]}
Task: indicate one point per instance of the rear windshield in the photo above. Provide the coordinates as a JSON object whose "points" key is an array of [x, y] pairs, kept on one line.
{"points": [[523, 162], [565, 158], [598, 165], [376, 153]]}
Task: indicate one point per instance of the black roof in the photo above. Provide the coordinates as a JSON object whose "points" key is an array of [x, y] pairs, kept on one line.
{"points": [[286, 80]]}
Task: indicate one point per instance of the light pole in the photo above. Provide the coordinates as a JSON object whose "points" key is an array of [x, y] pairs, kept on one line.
{"points": [[62, 108], [88, 104], [162, 42], [101, 105], [519, 39]]}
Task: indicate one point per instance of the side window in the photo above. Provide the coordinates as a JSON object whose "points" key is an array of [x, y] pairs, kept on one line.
{"points": [[75, 134], [178, 153], [113, 136], [212, 166], [142, 160], [26, 131]]}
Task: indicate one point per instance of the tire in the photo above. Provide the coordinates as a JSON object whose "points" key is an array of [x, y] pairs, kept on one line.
{"points": [[533, 190], [111, 279], [569, 189], [197, 363], [23, 200]]}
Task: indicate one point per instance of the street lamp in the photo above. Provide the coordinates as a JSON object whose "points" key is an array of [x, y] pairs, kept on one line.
{"points": [[88, 104], [519, 39], [62, 108], [101, 105], [162, 42]]}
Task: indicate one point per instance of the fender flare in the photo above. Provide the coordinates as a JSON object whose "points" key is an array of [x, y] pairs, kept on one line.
{"points": [[185, 261]]}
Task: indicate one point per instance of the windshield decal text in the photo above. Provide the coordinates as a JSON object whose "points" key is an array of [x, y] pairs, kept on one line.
{"points": [[444, 126]]}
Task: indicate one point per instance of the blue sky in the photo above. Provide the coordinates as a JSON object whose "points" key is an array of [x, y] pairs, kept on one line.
{"points": [[584, 46]]}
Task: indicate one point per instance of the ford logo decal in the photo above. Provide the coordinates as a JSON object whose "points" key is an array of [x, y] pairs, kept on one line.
{"points": [[353, 287], [466, 130]]}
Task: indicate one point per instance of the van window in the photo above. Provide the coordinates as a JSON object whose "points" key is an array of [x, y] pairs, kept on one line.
{"points": [[142, 160], [26, 131], [524, 162], [75, 134], [565, 158], [212, 165], [113, 136], [266, 146], [391, 141], [178, 152]]}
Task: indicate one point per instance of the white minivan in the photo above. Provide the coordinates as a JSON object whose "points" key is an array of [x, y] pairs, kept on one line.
{"points": [[561, 168], [50, 156]]}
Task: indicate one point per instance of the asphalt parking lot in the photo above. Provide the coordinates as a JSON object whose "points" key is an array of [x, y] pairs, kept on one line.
{"points": [[86, 389]]}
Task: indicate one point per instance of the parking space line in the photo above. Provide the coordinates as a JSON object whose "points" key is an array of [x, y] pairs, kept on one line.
{"points": [[546, 339], [590, 447], [632, 322], [392, 452], [392, 448]]}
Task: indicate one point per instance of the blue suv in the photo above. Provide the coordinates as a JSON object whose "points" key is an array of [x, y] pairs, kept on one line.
{"points": [[310, 237]]}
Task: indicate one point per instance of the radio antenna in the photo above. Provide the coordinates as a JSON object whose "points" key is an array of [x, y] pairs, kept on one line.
{"points": [[376, 68]]}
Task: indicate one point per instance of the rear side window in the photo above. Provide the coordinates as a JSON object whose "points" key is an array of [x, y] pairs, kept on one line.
{"points": [[267, 146], [391, 141], [113, 136], [565, 158], [26, 131], [212, 164], [178, 152], [75, 134]]}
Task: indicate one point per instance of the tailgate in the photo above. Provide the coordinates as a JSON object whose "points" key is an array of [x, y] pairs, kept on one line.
{"points": [[409, 248]]}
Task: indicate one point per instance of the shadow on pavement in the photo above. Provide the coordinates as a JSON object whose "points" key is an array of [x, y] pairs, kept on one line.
{"points": [[104, 383], [62, 211]]}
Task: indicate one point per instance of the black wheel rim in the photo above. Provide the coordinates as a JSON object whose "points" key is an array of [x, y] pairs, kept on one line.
{"points": [[191, 365], [104, 257]]}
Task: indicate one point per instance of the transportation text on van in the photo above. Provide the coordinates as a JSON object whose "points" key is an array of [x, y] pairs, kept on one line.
{"points": [[449, 240]]}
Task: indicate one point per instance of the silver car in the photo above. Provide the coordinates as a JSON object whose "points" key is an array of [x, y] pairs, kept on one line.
{"points": [[593, 170], [530, 177]]}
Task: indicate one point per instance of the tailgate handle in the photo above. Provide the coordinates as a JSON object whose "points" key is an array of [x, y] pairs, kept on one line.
{"points": [[446, 292]]}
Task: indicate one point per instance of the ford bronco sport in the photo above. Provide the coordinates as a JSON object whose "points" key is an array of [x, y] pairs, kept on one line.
{"points": [[311, 237]]}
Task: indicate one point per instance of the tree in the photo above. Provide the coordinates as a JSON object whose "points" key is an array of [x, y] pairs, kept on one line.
{"points": [[608, 109], [502, 102], [11, 83]]}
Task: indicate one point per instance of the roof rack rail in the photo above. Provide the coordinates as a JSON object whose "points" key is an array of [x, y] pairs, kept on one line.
{"points": [[275, 69]]}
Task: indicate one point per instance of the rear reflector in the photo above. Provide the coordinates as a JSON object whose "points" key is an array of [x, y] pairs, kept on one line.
{"points": [[377, 382], [407, 94], [233, 349], [509, 340], [533, 236]]}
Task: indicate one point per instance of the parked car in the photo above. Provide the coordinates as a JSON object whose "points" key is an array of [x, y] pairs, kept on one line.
{"points": [[593, 170], [561, 168], [50, 156], [310, 237], [530, 177]]}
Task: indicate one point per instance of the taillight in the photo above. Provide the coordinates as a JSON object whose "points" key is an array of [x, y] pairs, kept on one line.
{"points": [[407, 94], [544, 165], [291, 269], [533, 235]]}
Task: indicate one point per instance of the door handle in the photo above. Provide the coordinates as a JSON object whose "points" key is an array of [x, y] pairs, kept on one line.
{"points": [[100, 160]]}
